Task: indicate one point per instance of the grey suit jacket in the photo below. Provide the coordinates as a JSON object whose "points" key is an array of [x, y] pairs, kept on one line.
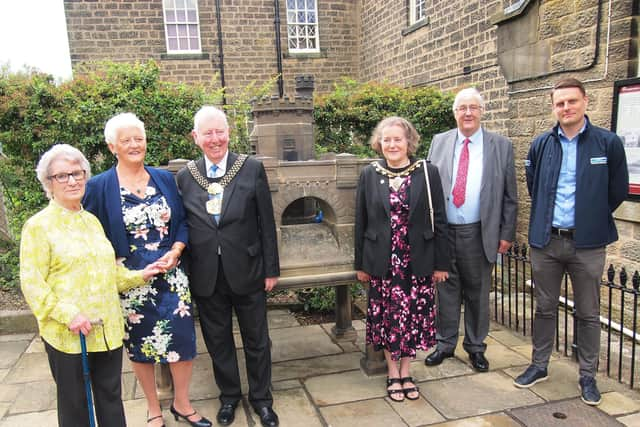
{"points": [[498, 193]]}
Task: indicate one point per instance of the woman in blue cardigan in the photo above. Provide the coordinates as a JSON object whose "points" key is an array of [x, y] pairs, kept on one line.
{"points": [[143, 217]]}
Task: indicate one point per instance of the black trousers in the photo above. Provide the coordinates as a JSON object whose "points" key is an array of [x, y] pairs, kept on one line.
{"points": [[105, 369], [217, 329]]}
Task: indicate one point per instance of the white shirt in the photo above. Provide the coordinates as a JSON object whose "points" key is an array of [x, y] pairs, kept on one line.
{"points": [[222, 166]]}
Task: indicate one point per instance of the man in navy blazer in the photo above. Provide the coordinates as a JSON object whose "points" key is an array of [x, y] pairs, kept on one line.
{"points": [[232, 261], [479, 183]]}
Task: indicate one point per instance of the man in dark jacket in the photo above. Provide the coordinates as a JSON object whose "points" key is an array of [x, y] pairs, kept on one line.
{"points": [[576, 176]]}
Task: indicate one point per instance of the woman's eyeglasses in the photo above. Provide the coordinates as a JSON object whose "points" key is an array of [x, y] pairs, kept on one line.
{"points": [[63, 177]]}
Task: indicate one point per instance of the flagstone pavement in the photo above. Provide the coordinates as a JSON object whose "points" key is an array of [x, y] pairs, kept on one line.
{"points": [[317, 382]]}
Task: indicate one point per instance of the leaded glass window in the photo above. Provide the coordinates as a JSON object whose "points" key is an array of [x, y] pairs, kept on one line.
{"points": [[182, 26], [302, 26], [416, 11]]}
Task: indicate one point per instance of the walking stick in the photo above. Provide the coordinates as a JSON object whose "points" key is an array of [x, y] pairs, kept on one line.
{"points": [[87, 377]]}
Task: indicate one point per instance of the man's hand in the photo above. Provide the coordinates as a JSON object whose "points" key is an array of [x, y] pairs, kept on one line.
{"points": [[439, 276], [270, 283], [504, 246]]}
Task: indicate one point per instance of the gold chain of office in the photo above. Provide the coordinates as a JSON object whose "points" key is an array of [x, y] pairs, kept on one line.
{"points": [[386, 172], [226, 179]]}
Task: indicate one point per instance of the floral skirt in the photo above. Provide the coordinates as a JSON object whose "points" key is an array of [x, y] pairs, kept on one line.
{"points": [[401, 319]]}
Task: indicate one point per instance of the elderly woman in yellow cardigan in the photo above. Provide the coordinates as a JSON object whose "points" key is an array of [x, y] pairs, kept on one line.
{"points": [[70, 278]]}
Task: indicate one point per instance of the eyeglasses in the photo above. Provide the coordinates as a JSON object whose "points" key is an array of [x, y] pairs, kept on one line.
{"points": [[63, 177], [470, 108]]}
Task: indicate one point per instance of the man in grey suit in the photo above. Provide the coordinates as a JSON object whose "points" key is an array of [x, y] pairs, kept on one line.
{"points": [[478, 179]]}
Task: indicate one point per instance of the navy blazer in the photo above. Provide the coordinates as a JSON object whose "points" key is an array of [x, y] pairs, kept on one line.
{"points": [[102, 198]]}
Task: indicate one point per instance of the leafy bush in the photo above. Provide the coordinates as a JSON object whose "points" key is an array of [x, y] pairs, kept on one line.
{"points": [[323, 299], [346, 117], [36, 113]]}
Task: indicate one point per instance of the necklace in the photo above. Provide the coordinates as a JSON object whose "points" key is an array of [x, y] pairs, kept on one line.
{"points": [[138, 184], [390, 174]]}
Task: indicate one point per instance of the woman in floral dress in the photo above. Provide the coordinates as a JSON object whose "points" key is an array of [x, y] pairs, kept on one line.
{"points": [[400, 251], [143, 217]]}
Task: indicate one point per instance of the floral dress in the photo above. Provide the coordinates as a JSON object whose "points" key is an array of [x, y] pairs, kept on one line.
{"points": [[401, 312], [158, 317]]}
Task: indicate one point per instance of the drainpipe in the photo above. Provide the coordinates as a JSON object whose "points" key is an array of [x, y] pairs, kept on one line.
{"points": [[221, 53], [276, 23]]}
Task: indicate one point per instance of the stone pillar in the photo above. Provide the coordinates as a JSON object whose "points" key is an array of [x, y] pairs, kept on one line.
{"points": [[343, 330], [163, 381]]}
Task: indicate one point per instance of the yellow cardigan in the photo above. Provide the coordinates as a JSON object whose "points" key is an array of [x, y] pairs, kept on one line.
{"points": [[67, 267]]}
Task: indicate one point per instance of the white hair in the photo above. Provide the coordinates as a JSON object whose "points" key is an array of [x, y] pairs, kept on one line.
{"points": [[208, 112], [470, 92], [121, 121], [64, 151]]}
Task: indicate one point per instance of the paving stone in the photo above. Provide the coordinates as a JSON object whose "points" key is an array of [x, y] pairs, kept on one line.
{"points": [[493, 420], [281, 319], [293, 408], [509, 338], [129, 384], [3, 373], [476, 395], [370, 413], [203, 385], [562, 382], [304, 368], [500, 356], [36, 345], [4, 407], [615, 403], [349, 347], [345, 387], [301, 342], [416, 412], [9, 392], [286, 385], [563, 413], [451, 367], [40, 419], [16, 337], [34, 397], [30, 367], [10, 352], [632, 420]]}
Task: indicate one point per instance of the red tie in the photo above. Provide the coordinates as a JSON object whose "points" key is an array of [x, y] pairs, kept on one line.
{"points": [[461, 180]]}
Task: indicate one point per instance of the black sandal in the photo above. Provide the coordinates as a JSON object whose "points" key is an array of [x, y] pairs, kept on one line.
{"points": [[407, 390], [154, 418], [391, 392]]}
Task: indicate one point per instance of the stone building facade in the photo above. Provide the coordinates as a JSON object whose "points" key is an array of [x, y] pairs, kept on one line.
{"points": [[511, 50]]}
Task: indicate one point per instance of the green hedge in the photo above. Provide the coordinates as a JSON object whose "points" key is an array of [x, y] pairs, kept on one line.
{"points": [[36, 113], [346, 117]]}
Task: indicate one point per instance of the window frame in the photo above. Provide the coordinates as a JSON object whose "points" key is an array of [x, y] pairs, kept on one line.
{"points": [[413, 7], [186, 22], [305, 38]]}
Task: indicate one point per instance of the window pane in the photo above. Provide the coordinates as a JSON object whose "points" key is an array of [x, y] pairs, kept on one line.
{"points": [[311, 17], [312, 43], [171, 16], [169, 4], [300, 4], [182, 30], [184, 44], [311, 4], [291, 4], [311, 30], [292, 31], [193, 30], [192, 16], [173, 44], [291, 17], [195, 44], [171, 30], [181, 16], [191, 4], [301, 17], [293, 43], [180, 4]]}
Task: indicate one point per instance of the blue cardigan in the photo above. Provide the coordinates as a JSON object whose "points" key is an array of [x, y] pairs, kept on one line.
{"points": [[102, 198]]}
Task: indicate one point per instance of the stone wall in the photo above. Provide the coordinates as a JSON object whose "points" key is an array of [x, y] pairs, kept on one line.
{"points": [[121, 30]]}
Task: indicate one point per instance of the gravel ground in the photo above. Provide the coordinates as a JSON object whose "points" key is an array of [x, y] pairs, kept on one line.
{"points": [[12, 299]]}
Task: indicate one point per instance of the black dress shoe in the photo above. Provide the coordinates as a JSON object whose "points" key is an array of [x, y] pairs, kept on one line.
{"points": [[226, 414], [479, 362], [268, 418], [202, 422], [437, 357]]}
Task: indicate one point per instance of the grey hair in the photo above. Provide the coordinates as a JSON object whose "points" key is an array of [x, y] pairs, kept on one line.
{"points": [[208, 112], [56, 152], [121, 121], [470, 92]]}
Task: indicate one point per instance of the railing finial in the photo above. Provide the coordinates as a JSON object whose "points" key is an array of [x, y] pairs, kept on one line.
{"points": [[635, 281], [623, 277], [611, 273]]}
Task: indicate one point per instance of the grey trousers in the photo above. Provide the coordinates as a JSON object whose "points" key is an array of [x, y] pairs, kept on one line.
{"points": [[469, 282], [585, 268]]}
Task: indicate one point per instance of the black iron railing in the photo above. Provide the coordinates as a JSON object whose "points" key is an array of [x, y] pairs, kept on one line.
{"points": [[513, 304]]}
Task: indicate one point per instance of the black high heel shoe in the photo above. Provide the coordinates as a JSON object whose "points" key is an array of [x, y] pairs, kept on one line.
{"points": [[202, 422]]}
